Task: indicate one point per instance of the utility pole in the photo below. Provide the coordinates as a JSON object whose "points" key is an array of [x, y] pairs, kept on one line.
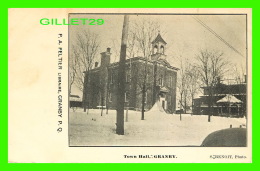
{"points": [[121, 80]]}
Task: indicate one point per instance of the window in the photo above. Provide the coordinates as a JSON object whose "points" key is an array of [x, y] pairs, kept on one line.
{"points": [[110, 97], [162, 49], [155, 49], [111, 78], [127, 76], [170, 81], [169, 99], [126, 96], [161, 80]]}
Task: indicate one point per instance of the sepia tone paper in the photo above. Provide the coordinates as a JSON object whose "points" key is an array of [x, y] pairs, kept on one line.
{"points": [[34, 131]]}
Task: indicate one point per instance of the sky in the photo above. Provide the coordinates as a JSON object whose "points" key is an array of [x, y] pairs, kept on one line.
{"points": [[184, 35]]}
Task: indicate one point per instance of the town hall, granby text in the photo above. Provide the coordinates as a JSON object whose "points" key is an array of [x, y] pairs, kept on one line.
{"points": [[160, 76]]}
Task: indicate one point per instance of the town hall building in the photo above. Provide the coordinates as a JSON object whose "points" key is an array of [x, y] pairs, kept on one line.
{"points": [[101, 82]]}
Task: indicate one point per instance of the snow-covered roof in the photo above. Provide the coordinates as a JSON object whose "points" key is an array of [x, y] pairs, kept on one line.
{"points": [[229, 99], [164, 89], [142, 59], [75, 98]]}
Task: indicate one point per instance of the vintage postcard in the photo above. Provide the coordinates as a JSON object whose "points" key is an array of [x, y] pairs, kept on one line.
{"points": [[130, 85]]}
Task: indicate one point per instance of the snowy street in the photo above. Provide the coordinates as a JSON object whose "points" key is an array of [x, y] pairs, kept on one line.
{"points": [[158, 129]]}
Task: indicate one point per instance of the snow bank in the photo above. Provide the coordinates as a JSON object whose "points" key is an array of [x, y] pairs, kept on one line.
{"points": [[157, 108]]}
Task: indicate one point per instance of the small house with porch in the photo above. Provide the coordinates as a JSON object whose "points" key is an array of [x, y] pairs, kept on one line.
{"points": [[227, 100]]}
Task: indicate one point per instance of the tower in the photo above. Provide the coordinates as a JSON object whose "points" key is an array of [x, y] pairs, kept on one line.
{"points": [[162, 91], [158, 48]]}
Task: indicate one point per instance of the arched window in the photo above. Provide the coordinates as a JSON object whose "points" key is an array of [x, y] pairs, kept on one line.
{"points": [[162, 49], [155, 49], [161, 80]]}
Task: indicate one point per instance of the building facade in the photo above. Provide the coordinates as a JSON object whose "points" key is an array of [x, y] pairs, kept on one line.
{"points": [[227, 100], [101, 83]]}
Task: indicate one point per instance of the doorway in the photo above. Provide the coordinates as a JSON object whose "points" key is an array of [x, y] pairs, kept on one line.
{"points": [[163, 104]]}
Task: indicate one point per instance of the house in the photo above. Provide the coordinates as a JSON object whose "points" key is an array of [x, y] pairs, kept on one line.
{"points": [[75, 101], [227, 100], [101, 83]]}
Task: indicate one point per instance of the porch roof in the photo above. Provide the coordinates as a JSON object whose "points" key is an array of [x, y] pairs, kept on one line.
{"points": [[164, 90], [229, 99]]}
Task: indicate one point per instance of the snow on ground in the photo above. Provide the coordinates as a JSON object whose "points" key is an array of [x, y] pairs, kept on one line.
{"points": [[158, 129]]}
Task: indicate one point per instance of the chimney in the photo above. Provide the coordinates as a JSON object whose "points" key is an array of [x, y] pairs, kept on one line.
{"points": [[96, 64], [105, 58], [218, 80]]}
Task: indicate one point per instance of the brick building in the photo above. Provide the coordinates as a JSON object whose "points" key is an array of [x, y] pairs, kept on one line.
{"points": [[101, 89]]}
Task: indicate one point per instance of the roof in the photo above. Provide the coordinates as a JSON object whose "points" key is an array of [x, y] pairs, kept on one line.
{"points": [[161, 61], [164, 62], [76, 96], [224, 85], [219, 84], [159, 39], [164, 89], [229, 99]]}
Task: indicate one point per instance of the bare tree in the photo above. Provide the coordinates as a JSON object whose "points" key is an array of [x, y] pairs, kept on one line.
{"points": [[183, 85], [87, 45], [188, 83], [142, 34], [73, 62], [239, 74], [240, 80], [211, 66], [193, 81], [102, 86]]}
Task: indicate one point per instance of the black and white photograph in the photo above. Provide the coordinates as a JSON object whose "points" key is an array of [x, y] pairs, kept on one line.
{"points": [[158, 80], [121, 85]]}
